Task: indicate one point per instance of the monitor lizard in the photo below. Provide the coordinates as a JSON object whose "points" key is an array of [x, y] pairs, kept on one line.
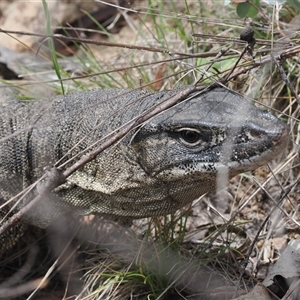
{"points": [[154, 170]]}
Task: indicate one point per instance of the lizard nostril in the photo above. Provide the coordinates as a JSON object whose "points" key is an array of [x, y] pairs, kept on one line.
{"points": [[254, 133]]}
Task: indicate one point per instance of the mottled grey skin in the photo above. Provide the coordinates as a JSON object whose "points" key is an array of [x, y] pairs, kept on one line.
{"points": [[158, 168]]}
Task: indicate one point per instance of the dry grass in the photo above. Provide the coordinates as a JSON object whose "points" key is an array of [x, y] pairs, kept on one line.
{"points": [[168, 258]]}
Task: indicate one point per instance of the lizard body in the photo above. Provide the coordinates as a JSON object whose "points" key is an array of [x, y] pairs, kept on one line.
{"points": [[156, 169]]}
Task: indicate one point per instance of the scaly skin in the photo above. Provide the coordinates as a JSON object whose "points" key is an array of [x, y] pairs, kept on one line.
{"points": [[158, 168]]}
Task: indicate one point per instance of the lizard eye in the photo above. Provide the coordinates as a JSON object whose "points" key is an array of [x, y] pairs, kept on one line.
{"points": [[190, 137]]}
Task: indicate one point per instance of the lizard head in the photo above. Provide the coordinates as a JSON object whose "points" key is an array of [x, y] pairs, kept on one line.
{"points": [[179, 155], [212, 133]]}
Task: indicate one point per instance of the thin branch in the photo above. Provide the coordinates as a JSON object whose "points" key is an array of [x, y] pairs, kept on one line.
{"points": [[284, 77]]}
